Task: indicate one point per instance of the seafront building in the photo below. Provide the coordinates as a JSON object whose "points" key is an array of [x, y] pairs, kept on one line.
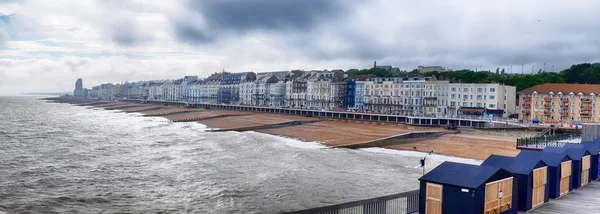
{"points": [[325, 90], [78, 92], [559, 103]]}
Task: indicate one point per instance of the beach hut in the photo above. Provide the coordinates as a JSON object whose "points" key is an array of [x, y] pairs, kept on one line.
{"points": [[456, 188], [581, 164], [593, 150], [532, 176], [559, 167], [595, 145]]}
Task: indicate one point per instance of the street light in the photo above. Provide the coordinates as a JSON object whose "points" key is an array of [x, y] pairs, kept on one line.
{"points": [[423, 161]]}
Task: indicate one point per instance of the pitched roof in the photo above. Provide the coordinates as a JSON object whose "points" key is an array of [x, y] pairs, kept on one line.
{"points": [[590, 147], [565, 88], [498, 161], [574, 153], [524, 164], [552, 159], [459, 174]]}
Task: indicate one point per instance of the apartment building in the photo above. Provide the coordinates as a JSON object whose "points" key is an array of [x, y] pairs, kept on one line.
{"points": [[477, 98], [355, 92], [295, 91], [229, 89], [414, 91], [276, 93], [383, 94], [435, 96], [560, 103]]}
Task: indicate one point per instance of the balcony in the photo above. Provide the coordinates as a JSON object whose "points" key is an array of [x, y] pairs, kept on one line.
{"points": [[527, 98], [586, 107], [526, 111], [564, 107], [547, 112], [564, 113], [585, 114], [547, 98], [547, 105], [586, 100]]}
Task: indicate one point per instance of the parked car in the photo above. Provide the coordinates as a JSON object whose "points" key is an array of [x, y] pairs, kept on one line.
{"points": [[535, 122]]}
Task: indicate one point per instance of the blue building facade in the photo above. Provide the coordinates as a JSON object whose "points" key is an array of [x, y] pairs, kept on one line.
{"points": [[350, 85]]}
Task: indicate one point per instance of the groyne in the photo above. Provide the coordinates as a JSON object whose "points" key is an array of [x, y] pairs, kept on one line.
{"points": [[268, 126], [395, 140]]}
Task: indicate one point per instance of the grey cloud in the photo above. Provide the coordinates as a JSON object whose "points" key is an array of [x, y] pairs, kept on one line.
{"points": [[242, 16], [125, 33], [187, 32]]}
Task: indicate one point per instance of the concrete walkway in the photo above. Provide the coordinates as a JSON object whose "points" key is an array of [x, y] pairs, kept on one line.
{"points": [[581, 201]]}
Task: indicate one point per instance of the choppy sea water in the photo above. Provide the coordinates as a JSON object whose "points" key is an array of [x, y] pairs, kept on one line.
{"points": [[61, 158]]}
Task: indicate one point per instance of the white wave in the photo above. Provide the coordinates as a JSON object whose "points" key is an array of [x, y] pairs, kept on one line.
{"points": [[291, 141]]}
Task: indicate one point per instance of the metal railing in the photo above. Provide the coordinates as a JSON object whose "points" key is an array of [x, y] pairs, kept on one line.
{"points": [[402, 203], [541, 142]]}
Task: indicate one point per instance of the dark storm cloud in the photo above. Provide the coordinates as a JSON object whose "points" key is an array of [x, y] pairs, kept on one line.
{"points": [[241, 16], [188, 32]]}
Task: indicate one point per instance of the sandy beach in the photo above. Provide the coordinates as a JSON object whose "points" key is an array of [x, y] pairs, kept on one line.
{"points": [[332, 132]]}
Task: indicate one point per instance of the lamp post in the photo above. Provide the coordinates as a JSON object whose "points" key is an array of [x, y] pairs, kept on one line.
{"points": [[423, 161]]}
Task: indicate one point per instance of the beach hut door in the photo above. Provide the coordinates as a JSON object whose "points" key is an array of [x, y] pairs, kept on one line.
{"points": [[498, 196], [540, 177], [585, 170], [565, 177], [434, 199]]}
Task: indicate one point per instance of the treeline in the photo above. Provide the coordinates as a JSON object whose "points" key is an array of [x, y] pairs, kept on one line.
{"points": [[585, 73]]}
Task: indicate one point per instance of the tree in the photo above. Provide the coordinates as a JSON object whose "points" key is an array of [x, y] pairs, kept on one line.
{"points": [[540, 71], [502, 72], [498, 70], [296, 72]]}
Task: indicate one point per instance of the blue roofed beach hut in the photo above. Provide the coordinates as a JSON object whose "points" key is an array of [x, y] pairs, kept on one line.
{"points": [[596, 146], [593, 150], [532, 175], [456, 188], [559, 168], [581, 160]]}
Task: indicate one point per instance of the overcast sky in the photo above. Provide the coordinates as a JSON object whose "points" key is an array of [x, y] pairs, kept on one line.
{"points": [[46, 45]]}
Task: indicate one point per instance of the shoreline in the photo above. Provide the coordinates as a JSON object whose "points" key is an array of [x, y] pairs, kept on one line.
{"points": [[328, 132]]}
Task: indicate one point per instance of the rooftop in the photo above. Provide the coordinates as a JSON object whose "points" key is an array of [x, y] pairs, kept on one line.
{"points": [[565, 88]]}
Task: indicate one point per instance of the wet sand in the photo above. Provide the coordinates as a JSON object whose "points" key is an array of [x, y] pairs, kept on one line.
{"points": [[334, 132]]}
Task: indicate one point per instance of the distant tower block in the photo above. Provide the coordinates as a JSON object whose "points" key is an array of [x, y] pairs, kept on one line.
{"points": [[78, 92]]}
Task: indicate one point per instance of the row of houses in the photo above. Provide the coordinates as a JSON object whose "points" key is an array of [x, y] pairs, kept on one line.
{"points": [[326, 90]]}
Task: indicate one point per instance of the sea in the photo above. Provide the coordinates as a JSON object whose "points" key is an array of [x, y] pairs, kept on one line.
{"points": [[63, 158]]}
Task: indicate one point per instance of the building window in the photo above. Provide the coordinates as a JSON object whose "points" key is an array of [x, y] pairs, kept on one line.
{"points": [[453, 89], [492, 89], [492, 97], [478, 97], [492, 106], [465, 90], [479, 90]]}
